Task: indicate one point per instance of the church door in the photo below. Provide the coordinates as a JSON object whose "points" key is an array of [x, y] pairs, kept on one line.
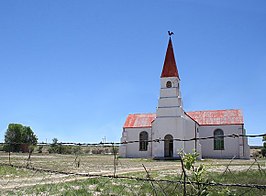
{"points": [[168, 146]]}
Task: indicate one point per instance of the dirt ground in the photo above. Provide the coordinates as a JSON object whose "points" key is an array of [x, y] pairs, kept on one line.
{"points": [[99, 164]]}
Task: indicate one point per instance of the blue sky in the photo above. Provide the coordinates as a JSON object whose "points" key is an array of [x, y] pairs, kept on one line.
{"points": [[75, 69]]}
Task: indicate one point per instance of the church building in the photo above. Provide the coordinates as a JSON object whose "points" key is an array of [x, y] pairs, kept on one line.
{"points": [[171, 122]]}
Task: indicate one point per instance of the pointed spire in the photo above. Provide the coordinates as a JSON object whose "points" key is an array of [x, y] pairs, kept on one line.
{"points": [[169, 67]]}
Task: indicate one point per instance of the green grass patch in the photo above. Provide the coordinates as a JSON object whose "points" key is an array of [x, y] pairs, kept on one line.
{"points": [[243, 177], [108, 186], [8, 171]]}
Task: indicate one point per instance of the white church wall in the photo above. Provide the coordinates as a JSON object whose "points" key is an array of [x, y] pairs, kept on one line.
{"points": [[232, 146], [190, 131], [179, 127], [132, 149], [244, 148], [123, 147], [163, 126]]}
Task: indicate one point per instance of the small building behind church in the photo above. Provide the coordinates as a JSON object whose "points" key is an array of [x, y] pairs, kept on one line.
{"points": [[171, 122]]}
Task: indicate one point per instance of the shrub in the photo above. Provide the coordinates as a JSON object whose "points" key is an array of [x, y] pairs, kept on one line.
{"points": [[76, 150], [40, 149], [6, 148], [255, 154], [87, 150], [97, 151], [263, 152], [115, 150], [61, 149]]}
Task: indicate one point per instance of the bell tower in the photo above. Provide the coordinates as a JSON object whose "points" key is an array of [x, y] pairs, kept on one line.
{"points": [[170, 116], [170, 102]]}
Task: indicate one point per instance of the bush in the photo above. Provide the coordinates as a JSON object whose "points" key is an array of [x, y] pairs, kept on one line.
{"points": [[40, 149], [76, 150], [115, 150], [87, 150], [263, 152], [256, 154], [61, 149], [97, 151], [6, 148]]}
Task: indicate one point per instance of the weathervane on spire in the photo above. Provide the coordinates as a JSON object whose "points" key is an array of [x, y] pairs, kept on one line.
{"points": [[170, 33]]}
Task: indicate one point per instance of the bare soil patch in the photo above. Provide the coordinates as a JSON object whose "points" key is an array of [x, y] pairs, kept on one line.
{"points": [[99, 164]]}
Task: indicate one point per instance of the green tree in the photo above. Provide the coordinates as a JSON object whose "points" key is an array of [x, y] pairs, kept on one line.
{"points": [[54, 142], [28, 137], [17, 136]]}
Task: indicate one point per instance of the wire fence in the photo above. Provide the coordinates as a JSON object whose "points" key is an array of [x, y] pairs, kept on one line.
{"points": [[153, 140], [96, 169]]}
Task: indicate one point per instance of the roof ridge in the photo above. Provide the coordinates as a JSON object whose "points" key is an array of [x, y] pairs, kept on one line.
{"points": [[215, 110], [140, 113]]}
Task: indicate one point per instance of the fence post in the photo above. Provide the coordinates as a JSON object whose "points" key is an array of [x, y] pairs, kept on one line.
{"points": [[114, 152], [9, 159], [149, 177], [184, 177], [29, 157]]}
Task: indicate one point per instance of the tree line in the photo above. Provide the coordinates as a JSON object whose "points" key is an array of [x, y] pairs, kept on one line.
{"points": [[20, 138]]}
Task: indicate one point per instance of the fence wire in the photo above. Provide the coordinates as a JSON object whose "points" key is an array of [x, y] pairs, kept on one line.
{"points": [[108, 144], [87, 173]]}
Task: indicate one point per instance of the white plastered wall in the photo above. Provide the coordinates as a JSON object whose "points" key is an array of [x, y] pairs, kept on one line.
{"points": [[171, 119], [132, 149], [237, 146], [191, 131], [179, 127], [163, 126]]}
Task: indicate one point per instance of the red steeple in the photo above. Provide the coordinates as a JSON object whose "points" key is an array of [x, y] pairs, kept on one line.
{"points": [[169, 67]]}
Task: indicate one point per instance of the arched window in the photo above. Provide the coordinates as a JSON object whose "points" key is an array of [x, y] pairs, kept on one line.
{"points": [[168, 84], [218, 139], [143, 141]]}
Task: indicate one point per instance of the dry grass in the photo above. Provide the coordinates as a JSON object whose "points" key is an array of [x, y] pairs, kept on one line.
{"points": [[11, 178]]}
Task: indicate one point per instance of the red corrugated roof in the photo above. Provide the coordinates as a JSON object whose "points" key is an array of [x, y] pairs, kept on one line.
{"points": [[139, 120], [208, 117], [217, 117], [169, 67]]}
